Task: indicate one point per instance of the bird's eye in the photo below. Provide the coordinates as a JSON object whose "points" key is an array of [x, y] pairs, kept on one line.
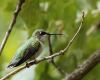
{"points": [[42, 33]]}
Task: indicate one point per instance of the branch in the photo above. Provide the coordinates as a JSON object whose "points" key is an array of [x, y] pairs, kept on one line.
{"points": [[12, 73], [86, 67], [17, 10], [71, 41], [52, 60], [46, 58]]}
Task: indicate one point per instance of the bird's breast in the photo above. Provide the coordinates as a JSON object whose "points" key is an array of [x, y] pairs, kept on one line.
{"points": [[38, 52]]}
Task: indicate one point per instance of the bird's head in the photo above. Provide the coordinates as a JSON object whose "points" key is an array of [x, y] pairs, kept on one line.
{"points": [[41, 35]]}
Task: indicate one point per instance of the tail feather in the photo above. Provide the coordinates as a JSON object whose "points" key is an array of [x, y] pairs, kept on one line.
{"points": [[11, 65]]}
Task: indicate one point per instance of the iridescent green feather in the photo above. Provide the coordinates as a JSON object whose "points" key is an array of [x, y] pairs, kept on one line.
{"points": [[26, 49]]}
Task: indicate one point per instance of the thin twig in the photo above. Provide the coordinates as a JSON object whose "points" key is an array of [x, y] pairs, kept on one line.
{"points": [[50, 46], [46, 58], [52, 60], [16, 12], [85, 68], [12, 73], [71, 41]]}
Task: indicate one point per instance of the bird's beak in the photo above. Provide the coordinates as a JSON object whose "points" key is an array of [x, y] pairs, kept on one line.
{"points": [[54, 33]]}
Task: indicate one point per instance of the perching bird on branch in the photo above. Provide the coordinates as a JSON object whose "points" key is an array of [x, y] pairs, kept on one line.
{"points": [[31, 49]]}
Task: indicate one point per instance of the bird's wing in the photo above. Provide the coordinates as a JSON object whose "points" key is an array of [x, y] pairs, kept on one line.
{"points": [[25, 52]]}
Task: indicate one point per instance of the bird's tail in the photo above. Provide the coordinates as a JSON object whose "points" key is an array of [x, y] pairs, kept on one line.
{"points": [[11, 65]]}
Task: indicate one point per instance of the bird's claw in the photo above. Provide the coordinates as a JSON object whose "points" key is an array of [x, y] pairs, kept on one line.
{"points": [[27, 65]]}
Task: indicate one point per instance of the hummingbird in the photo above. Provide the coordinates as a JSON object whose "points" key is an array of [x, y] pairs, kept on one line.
{"points": [[31, 49]]}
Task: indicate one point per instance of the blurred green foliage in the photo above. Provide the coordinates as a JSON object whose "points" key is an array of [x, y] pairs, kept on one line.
{"points": [[56, 16]]}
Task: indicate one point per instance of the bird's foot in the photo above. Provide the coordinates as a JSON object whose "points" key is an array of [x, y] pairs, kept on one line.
{"points": [[35, 61], [31, 63], [27, 65]]}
